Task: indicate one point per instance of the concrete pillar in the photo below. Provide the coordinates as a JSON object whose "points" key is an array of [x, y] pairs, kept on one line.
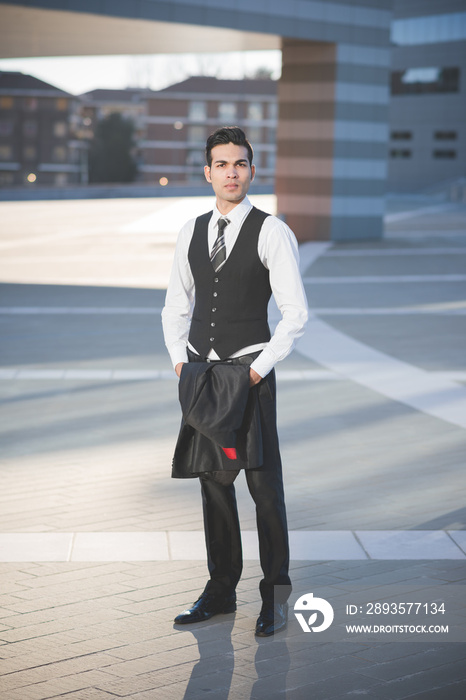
{"points": [[332, 140]]}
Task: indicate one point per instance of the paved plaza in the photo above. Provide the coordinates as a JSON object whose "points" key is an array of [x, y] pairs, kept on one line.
{"points": [[100, 548]]}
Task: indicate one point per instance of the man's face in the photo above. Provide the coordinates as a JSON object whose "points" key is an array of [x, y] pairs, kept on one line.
{"points": [[230, 175]]}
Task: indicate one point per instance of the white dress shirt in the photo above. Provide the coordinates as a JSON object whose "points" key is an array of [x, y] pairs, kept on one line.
{"points": [[278, 251]]}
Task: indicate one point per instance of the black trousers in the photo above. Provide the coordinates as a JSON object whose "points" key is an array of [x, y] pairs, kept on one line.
{"points": [[223, 537], [221, 522]]}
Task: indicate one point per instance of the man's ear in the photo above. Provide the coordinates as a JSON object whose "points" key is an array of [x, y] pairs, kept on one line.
{"points": [[207, 173], [253, 172]]}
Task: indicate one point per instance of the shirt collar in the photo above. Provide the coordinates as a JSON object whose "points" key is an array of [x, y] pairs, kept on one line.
{"points": [[235, 216]]}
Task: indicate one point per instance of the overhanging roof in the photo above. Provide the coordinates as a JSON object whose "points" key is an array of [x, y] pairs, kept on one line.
{"points": [[32, 32]]}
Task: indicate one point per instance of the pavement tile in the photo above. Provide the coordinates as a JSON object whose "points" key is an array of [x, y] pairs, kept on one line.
{"points": [[35, 546], [324, 545], [301, 685], [153, 662], [409, 545], [86, 694], [169, 692], [146, 681], [450, 574], [119, 546], [453, 691], [35, 631], [387, 651], [61, 669], [459, 536], [187, 545], [422, 661], [430, 679], [51, 688]]}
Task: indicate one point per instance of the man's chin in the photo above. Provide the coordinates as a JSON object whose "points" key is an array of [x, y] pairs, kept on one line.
{"points": [[234, 195]]}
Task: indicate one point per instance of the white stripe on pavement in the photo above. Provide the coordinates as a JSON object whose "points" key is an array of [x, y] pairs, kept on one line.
{"points": [[397, 380], [385, 279], [454, 308], [449, 307], [422, 211], [305, 545], [382, 252], [79, 310], [63, 374]]}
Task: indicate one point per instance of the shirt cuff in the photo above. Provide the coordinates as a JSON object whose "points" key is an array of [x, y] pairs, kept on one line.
{"points": [[264, 363], [178, 354]]}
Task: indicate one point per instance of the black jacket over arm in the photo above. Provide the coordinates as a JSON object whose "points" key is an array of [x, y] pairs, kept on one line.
{"points": [[221, 410]]}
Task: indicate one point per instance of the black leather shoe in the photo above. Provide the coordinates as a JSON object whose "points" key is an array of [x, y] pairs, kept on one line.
{"points": [[273, 618], [205, 607]]}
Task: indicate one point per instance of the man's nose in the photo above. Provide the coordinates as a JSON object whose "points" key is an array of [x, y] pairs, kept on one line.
{"points": [[232, 172]]}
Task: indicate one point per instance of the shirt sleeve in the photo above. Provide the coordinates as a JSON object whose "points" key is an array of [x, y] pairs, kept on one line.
{"points": [[278, 251], [179, 300]]}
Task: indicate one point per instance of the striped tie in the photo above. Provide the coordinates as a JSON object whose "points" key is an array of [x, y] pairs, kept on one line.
{"points": [[219, 253]]}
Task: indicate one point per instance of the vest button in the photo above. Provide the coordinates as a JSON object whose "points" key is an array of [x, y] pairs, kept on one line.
{"points": [[215, 294], [214, 309], [212, 324], [212, 340], [216, 279]]}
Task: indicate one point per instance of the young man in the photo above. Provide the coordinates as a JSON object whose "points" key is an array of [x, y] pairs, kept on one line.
{"points": [[227, 263]]}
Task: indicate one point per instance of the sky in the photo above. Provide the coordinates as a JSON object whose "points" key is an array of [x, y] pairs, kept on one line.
{"points": [[78, 74]]}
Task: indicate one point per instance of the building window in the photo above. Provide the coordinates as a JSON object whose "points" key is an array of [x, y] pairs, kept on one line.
{"points": [[197, 111], [6, 102], [254, 134], [31, 104], [445, 135], [6, 127], [444, 153], [430, 29], [6, 152], [422, 81], [61, 104], [195, 162], [227, 112], [272, 110], [196, 134], [59, 129], [30, 128], [400, 153], [6, 178], [29, 153], [401, 135], [59, 154], [61, 179], [271, 158], [255, 111], [271, 135]]}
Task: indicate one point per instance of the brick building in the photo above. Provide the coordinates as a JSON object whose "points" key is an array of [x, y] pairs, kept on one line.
{"points": [[36, 140], [180, 117]]}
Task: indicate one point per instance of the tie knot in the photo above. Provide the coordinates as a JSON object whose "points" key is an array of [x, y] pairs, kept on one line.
{"points": [[222, 223]]}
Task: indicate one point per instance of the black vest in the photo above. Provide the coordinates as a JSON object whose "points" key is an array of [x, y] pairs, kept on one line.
{"points": [[230, 310]]}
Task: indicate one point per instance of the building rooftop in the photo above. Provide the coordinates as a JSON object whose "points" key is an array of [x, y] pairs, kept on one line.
{"points": [[253, 86], [21, 82], [116, 95]]}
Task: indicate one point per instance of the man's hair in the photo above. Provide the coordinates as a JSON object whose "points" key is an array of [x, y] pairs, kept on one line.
{"points": [[224, 135]]}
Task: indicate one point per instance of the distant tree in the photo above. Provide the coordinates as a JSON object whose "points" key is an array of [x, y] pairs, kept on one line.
{"points": [[110, 153], [262, 73]]}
